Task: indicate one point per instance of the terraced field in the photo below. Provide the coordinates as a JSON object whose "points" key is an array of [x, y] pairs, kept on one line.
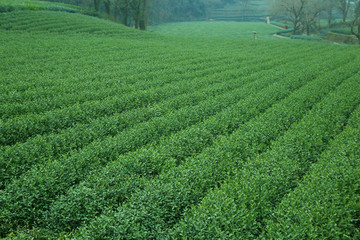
{"points": [[107, 132]]}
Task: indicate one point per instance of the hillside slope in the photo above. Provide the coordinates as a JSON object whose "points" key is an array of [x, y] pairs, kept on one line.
{"points": [[252, 11], [34, 5], [62, 22]]}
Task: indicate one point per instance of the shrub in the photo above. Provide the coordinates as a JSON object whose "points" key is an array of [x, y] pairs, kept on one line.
{"points": [[33, 7], [7, 8]]}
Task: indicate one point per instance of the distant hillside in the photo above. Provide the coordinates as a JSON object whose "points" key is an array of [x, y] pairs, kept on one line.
{"points": [[254, 11]]}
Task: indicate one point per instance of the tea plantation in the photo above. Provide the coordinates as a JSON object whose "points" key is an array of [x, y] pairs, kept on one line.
{"points": [[216, 29], [107, 132]]}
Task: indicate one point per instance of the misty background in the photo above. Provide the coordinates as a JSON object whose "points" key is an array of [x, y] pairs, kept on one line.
{"points": [[301, 16]]}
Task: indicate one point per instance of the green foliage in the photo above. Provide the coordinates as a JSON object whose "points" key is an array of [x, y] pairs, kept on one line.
{"points": [[345, 31], [154, 212], [7, 8], [60, 8], [107, 132], [326, 202], [305, 37], [261, 184], [149, 161], [35, 5]]}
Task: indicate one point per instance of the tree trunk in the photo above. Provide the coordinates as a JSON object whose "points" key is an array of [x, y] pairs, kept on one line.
{"points": [[125, 12], [107, 8], [307, 29], [97, 5], [295, 23], [125, 19], [356, 22], [143, 15], [345, 6], [116, 13], [344, 17], [329, 18], [137, 14], [297, 13]]}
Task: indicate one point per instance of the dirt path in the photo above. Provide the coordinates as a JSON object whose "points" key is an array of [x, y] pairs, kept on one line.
{"points": [[277, 27], [279, 36]]}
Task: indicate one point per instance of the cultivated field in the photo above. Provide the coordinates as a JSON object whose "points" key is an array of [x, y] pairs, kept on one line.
{"points": [[107, 132], [214, 29]]}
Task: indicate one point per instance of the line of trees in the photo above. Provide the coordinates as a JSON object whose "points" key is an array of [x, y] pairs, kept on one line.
{"points": [[140, 13], [160, 11], [305, 15], [355, 24], [129, 12]]}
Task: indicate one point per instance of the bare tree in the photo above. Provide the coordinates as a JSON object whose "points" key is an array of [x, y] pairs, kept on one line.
{"points": [[293, 9], [311, 14], [116, 10], [143, 15], [126, 10], [329, 7], [245, 6], [344, 6], [107, 4], [355, 24], [140, 14], [97, 5]]}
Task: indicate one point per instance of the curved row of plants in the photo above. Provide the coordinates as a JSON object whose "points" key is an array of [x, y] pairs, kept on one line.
{"points": [[19, 157], [42, 97], [240, 207], [100, 152], [153, 209], [129, 171], [117, 134], [57, 176], [326, 203]]}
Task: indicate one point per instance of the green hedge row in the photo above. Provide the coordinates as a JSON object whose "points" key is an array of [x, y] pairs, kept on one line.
{"points": [[97, 77], [326, 204], [40, 97], [18, 158], [239, 208], [21, 128], [58, 175], [38, 5], [127, 173], [157, 206]]}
